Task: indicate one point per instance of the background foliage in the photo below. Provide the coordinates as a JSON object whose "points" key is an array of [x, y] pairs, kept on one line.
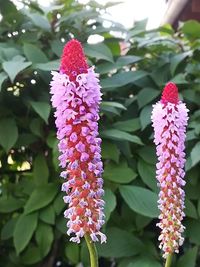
{"points": [[31, 207]]}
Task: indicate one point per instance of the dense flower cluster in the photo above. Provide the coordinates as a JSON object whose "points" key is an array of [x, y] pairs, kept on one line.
{"points": [[76, 96], [169, 117]]}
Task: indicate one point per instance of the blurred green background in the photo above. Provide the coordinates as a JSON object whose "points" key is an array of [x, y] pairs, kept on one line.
{"points": [[32, 227]]}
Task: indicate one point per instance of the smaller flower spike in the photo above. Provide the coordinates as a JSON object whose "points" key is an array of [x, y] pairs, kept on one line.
{"points": [[169, 117], [76, 97]]}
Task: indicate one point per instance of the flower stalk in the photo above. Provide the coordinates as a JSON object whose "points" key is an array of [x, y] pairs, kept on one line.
{"points": [[92, 251]]}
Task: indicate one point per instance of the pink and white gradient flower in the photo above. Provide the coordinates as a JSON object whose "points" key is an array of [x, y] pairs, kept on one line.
{"points": [[169, 117], [76, 96]]}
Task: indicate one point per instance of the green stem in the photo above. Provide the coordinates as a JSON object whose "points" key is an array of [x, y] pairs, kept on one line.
{"points": [[92, 250], [168, 261]]}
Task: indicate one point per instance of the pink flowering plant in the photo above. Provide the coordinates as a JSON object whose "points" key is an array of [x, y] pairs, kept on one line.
{"points": [[76, 96], [169, 117]]}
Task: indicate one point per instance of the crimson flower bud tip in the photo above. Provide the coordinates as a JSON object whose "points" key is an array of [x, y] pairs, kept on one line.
{"points": [[170, 93], [73, 61]]}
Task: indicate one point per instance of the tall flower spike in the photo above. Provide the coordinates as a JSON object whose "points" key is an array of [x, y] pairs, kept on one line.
{"points": [[169, 117], [76, 97]]}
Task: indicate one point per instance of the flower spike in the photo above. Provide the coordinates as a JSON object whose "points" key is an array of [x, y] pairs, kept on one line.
{"points": [[169, 117], [76, 96]]}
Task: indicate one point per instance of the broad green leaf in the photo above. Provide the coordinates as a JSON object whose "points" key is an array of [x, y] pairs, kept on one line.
{"points": [[191, 28], [3, 77], [144, 262], [119, 173], [42, 108], [195, 155], [189, 258], [177, 59], [110, 203], [34, 54], [145, 116], [14, 67], [148, 154], [24, 229], [49, 66], [40, 170], [122, 78], [179, 79], [119, 244], [126, 60], [98, 51], [31, 255], [57, 47], [40, 21], [190, 209], [118, 135], [8, 133], [72, 252], [40, 197], [131, 125], [8, 229], [110, 151], [44, 238], [47, 214], [147, 173], [141, 200], [146, 95], [59, 204], [192, 230], [10, 204], [113, 104]]}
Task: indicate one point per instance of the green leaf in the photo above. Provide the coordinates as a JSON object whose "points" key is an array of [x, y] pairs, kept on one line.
{"points": [[98, 51], [8, 133], [190, 209], [177, 59], [58, 204], [147, 173], [42, 108], [123, 78], [118, 135], [188, 259], [3, 77], [146, 95], [31, 255], [10, 204], [47, 214], [119, 244], [191, 28], [51, 65], [141, 200], [40, 170], [39, 21], [8, 229], [110, 203], [192, 230], [24, 230], [44, 238], [120, 173], [72, 252], [110, 151], [179, 79], [34, 54], [148, 154], [127, 60], [145, 116], [40, 197], [131, 125], [144, 262], [195, 155], [113, 104], [14, 67]]}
